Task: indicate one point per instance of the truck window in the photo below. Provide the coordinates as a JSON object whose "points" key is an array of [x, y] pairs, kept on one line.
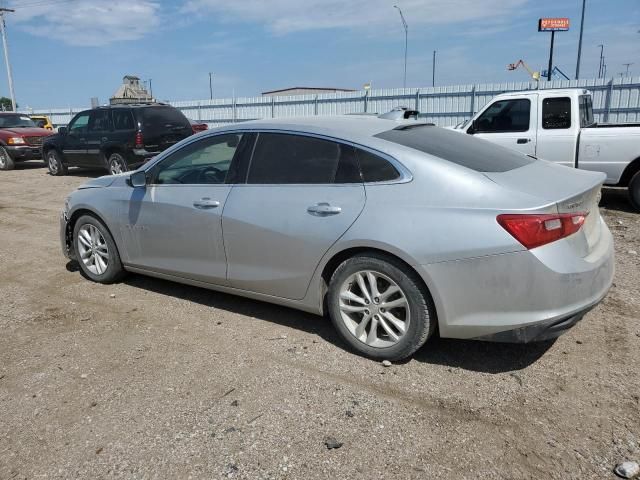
{"points": [[504, 116], [586, 111], [556, 113]]}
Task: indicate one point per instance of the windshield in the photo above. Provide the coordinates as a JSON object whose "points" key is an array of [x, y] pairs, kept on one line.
{"points": [[15, 121], [465, 150]]}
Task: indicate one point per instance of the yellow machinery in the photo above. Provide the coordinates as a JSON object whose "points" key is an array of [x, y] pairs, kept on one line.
{"points": [[520, 63]]}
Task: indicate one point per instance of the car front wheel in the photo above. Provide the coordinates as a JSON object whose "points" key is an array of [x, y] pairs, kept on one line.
{"points": [[380, 307], [96, 251], [54, 164], [6, 162]]}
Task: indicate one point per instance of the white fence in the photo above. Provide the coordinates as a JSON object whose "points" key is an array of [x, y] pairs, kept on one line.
{"points": [[615, 100]]}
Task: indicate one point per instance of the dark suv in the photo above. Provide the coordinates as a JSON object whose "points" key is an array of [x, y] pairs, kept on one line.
{"points": [[117, 137]]}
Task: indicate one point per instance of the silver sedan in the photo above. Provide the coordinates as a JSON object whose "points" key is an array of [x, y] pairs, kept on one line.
{"points": [[396, 230]]}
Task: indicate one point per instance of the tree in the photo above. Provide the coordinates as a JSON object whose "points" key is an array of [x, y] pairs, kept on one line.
{"points": [[5, 104]]}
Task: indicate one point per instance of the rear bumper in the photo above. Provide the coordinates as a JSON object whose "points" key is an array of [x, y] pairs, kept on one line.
{"points": [[24, 152], [522, 296]]}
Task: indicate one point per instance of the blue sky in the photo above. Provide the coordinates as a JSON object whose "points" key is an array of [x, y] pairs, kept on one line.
{"points": [[64, 52]]}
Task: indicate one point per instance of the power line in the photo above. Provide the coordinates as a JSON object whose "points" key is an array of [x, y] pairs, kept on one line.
{"points": [[43, 3]]}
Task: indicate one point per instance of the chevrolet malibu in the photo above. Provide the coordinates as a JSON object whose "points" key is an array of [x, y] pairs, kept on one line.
{"points": [[396, 230]]}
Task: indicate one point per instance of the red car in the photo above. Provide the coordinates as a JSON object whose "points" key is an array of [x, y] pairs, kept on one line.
{"points": [[20, 139], [198, 126]]}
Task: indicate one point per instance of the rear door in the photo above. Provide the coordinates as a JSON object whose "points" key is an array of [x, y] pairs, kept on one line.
{"points": [[98, 132], [557, 132], [510, 123], [162, 126], [174, 226], [302, 193], [74, 147]]}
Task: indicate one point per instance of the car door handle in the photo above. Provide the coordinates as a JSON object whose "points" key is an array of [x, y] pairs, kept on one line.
{"points": [[523, 140], [206, 203], [323, 209]]}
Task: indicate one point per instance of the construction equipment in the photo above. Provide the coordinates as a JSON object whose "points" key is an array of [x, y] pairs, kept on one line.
{"points": [[555, 72], [520, 63]]}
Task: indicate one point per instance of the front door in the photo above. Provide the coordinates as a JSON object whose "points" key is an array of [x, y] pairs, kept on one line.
{"points": [[510, 123], [291, 210], [74, 148], [174, 225]]}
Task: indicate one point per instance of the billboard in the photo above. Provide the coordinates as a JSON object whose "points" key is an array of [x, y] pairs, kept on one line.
{"points": [[553, 25]]}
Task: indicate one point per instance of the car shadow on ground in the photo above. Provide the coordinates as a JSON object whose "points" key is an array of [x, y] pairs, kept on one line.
{"points": [[475, 356], [616, 199]]}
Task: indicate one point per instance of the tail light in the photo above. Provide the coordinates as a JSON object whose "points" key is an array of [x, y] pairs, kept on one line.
{"points": [[139, 140], [536, 230]]}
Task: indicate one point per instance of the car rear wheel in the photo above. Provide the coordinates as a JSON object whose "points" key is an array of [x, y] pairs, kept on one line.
{"points": [[117, 164], [6, 162], [634, 191], [380, 308], [54, 163], [96, 251]]}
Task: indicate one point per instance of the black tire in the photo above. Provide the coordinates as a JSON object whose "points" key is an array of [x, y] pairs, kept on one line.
{"points": [[634, 191], [114, 270], [6, 162], [422, 321], [116, 164], [54, 163]]}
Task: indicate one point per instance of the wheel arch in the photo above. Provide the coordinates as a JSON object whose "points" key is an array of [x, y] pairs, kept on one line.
{"points": [[71, 224], [628, 173], [334, 261], [111, 148]]}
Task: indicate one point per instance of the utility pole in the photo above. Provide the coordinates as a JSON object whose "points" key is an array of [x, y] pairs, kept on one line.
{"points": [[627, 65], [6, 55], [433, 70], [210, 86], [580, 41], [601, 61], [406, 42]]}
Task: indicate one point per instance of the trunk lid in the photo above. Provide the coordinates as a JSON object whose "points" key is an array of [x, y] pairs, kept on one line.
{"points": [[566, 190]]}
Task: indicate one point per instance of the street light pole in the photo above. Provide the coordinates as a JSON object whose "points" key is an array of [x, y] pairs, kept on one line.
{"points": [[150, 90], [433, 70], [627, 65], [580, 41], [6, 55], [406, 42], [210, 86]]}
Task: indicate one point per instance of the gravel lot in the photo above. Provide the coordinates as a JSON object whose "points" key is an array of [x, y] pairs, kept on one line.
{"points": [[150, 379]]}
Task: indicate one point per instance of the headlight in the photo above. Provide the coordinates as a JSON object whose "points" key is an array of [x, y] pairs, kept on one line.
{"points": [[16, 141]]}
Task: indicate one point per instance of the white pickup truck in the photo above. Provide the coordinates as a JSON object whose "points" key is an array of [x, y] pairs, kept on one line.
{"points": [[558, 126]]}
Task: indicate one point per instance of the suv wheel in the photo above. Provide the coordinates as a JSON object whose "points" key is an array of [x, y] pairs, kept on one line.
{"points": [[96, 251], [54, 163], [6, 162], [379, 307], [117, 164], [634, 191]]}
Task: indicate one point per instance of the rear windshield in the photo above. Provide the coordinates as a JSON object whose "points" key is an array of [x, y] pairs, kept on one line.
{"points": [[163, 117], [456, 147]]}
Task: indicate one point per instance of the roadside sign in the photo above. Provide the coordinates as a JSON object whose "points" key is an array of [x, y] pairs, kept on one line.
{"points": [[553, 25]]}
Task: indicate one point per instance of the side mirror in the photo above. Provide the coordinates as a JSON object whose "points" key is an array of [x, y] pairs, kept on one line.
{"points": [[138, 179], [62, 130]]}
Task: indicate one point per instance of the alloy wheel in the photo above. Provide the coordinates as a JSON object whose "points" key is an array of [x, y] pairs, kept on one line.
{"points": [[92, 249], [116, 166], [53, 163], [3, 159], [374, 308]]}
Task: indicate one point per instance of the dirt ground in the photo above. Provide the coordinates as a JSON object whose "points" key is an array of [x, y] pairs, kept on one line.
{"points": [[170, 381]]}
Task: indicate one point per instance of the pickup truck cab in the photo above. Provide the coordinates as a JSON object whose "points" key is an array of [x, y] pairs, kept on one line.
{"points": [[558, 126], [20, 139]]}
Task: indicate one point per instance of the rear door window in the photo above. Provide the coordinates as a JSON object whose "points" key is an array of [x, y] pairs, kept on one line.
{"points": [[586, 111], [556, 113], [504, 116], [122, 119], [281, 158], [99, 121], [465, 150]]}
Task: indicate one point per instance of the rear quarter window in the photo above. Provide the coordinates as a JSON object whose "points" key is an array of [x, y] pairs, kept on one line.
{"points": [[455, 147]]}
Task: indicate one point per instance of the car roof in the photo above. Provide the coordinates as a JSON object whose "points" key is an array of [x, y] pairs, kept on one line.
{"points": [[355, 128]]}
